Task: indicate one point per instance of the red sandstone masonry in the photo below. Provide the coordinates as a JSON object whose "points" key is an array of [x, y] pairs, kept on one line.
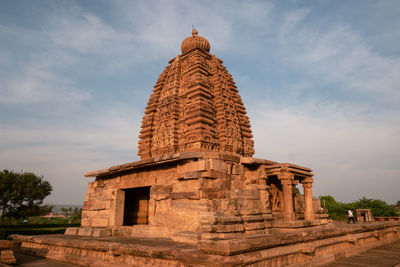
{"points": [[309, 248]]}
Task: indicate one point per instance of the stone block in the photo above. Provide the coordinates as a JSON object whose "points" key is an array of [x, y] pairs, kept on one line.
{"points": [[252, 218], [215, 236], [268, 217], [103, 214], [249, 211], [218, 165], [131, 183], [189, 205], [186, 186], [85, 214], [187, 237], [190, 175], [86, 205], [211, 174], [85, 231], [102, 232], [6, 244], [248, 204], [99, 222], [86, 222], [7, 257], [159, 192], [123, 231], [244, 194], [228, 157], [166, 178], [316, 204], [236, 185], [237, 169], [254, 226], [222, 228], [208, 218], [90, 214], [193, 166], [214, 193], [186, 195], [182, 215], [71, 231], [216, 184], [229, 219]]}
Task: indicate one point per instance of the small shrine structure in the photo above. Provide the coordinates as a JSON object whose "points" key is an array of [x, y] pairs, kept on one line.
{"points": [[197, 178], [364, 215]]}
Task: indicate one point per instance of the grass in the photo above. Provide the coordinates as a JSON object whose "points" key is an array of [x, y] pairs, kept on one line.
{"points": [[33, 229]]}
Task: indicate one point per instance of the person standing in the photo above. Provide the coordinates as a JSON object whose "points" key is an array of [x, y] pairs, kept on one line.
{"points": [[351, 216]]}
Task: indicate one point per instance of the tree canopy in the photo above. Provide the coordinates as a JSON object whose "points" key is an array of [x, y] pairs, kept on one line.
{"points": [[22, 194], [338, 210]]}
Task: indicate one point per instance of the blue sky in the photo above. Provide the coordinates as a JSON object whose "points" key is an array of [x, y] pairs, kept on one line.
{"points": [[320, 81]]}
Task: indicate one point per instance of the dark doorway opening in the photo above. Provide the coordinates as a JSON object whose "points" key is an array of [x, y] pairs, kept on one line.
{"points": [[364, 217], [136, 207]]}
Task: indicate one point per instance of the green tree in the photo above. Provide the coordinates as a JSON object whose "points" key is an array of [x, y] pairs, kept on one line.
{"points": [[338, 210], [22, 194], [379, 208], [77, 215]]}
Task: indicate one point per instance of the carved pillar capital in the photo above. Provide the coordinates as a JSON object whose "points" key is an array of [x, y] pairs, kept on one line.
{"points": [[308, 180], [285, 182], [285, 176]]}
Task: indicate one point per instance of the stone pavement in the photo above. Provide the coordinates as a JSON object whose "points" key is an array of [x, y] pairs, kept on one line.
{"points": [[387, 255], [31, 261]]}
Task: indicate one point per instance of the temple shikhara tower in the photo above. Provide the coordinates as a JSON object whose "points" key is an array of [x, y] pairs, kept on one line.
{"points": [[195, 107], [197, 196], [197, 179]]}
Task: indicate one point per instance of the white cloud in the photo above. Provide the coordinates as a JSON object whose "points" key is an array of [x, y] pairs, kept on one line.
{"points": [[84, 34], [350, 157], [37, 82], [63, 153], [69, 41], [350, 145], [338, 56]]}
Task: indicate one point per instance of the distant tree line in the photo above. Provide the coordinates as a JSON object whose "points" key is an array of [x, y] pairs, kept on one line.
{"points": [[74, 213], [379, 208]]}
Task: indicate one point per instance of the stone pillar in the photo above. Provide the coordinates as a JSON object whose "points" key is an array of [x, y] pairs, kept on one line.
{"points": [[286, 180], [309, 211]]}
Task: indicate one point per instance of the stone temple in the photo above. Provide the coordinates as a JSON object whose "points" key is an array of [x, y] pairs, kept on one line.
{"points": [[197, 197], [197, 178]]}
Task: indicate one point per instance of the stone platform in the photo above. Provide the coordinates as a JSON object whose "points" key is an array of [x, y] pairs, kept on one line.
{"points": [[6, 252], [384, 256], [313, 247]]}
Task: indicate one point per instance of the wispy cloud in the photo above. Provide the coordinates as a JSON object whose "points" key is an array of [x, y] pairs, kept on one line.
{"points": [[63, 152], [338, 56], [320, 92], [344, 150]]}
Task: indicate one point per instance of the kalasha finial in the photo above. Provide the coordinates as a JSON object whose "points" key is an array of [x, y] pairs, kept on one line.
{"points": [[194, 41]]}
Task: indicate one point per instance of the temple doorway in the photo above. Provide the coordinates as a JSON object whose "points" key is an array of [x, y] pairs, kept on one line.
{"points": [[136, 207]]}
